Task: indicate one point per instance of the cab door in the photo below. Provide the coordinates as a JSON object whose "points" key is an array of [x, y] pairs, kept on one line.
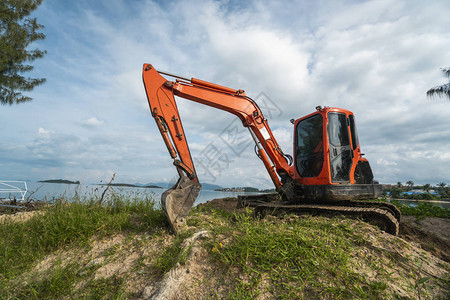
{"points": [[340, 149], [309, 151]]}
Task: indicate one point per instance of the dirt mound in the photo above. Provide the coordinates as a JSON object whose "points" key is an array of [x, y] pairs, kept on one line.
{"points": [[225, 204], [19, 216], [178, 282], [430, 233], [153, 266]]}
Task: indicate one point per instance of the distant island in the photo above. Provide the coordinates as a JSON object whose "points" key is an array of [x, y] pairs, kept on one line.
{"points": [[167, 185], [245, 189], [60, 181], [132, 185]]}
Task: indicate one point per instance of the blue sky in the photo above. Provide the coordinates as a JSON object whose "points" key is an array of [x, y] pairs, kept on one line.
{"points": [[91, 118]]}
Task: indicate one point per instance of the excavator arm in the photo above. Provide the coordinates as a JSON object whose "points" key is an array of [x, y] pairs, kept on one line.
{"points": [[178, 200]]}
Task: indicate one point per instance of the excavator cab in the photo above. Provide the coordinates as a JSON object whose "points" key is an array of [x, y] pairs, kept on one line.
{"points": [[328, 159]]}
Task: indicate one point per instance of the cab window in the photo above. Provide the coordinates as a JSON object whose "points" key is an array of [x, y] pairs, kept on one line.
{"points": [[309, 146], [339, 145], [353, 132]]}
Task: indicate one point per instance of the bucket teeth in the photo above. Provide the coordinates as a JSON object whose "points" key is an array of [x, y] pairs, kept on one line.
{"points": [[177, 202]]}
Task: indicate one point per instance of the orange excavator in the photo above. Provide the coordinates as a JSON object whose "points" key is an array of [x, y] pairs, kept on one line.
{"points": [[328, 174]]}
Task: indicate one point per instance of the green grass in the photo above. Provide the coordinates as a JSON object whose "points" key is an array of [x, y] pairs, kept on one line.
{"points": [[105, 288], [300, 257], [171, 255], [59, 283], [23, 244], [423, 209], [55, 285]]}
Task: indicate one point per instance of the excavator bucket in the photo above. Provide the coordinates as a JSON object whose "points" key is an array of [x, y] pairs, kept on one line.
{"points": [[178, 201]]}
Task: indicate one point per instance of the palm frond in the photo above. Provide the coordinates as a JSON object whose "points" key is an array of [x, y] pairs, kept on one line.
{"points": [[442, 91]]}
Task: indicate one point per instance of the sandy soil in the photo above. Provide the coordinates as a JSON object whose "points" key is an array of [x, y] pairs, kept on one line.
{"points": [[20, 211], [431, 234], [19, 216]]}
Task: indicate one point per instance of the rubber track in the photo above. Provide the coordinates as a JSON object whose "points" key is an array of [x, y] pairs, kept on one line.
{"points": [[255, 200], [389, 222], [383, 205]]}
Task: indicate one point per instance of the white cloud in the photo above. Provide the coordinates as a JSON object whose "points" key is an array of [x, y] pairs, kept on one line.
{"points": [[92, 122], [43, 133], [385, 163]]}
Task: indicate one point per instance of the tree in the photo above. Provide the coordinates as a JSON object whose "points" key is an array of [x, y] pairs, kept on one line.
{"points": [[441, 90], [427, 187], [395, 193], [399, 185], [410, 183], [17, 31]]}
